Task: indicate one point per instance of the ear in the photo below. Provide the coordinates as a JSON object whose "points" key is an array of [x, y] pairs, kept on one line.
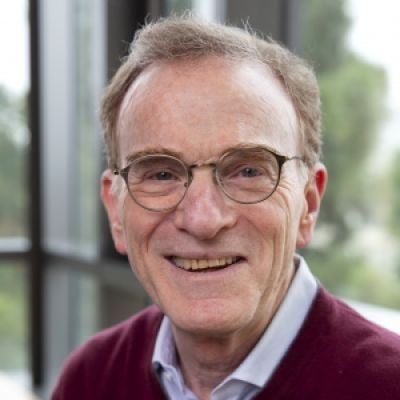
{"points": [[313, 194], [112, 205]]}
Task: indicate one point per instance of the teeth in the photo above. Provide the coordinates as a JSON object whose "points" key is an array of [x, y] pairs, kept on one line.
{"points": [[186, 264], [196, 264], [201, 264]]}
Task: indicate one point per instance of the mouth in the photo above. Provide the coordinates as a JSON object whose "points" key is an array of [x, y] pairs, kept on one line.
{"points": [[203, 264]]}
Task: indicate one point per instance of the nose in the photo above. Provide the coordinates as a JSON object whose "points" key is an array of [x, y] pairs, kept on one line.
{"points": [[205, 211]]}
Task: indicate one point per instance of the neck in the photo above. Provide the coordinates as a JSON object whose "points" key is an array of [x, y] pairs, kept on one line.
{"points": [[207, 359], [207, 362]]}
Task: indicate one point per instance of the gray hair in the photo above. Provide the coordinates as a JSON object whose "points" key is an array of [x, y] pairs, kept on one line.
{"points": [[185, 38]]}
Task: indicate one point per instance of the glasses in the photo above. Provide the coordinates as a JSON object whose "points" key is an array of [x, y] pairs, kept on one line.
{"points": [[159, 182]]}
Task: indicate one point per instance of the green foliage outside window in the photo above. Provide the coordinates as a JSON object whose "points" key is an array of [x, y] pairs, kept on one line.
{"points": [[13, 318], [13, 222], [13, 164], [393, 214], [353, 107]]}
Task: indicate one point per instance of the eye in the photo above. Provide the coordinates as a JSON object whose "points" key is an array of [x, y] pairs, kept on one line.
{"points": [[156, 170], [249, 172], [244, 171], [161, 176]]}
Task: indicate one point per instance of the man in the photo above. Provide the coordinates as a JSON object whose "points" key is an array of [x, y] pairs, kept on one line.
{"points": [[214, 181]]}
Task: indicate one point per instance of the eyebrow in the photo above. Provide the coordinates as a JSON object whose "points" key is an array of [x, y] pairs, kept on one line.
{"points": [[159, 150], [249, 146], [153, 151]]}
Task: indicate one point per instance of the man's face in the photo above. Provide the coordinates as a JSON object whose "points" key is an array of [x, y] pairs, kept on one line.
{"points": [[198, 110]]}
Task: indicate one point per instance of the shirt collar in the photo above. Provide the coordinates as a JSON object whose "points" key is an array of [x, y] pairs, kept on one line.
{"points": [[271, 347], [164, 351]]}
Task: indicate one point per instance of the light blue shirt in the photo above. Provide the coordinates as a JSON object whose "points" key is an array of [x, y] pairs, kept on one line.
{"points": [[254, 372]]}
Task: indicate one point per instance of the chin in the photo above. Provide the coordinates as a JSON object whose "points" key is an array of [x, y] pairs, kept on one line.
{"points": [[212, 319]]}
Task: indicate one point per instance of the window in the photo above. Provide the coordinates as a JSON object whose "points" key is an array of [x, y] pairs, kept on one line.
{"points": [[13, 320], [14, 200], [72, 77], [355, 250], [207, 9], [90, 76], [14, 76]]}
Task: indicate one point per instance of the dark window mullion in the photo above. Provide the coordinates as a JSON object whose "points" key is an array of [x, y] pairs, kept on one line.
{"points": [[36, 259]]}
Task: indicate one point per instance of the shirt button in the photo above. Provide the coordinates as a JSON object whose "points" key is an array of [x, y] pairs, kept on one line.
{"points": [[168, 376]]}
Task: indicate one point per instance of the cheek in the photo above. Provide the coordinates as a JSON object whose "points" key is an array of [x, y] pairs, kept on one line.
{"points": [[270, 218], [278, 220], [139, 226], [279, 229], [137, 234]]}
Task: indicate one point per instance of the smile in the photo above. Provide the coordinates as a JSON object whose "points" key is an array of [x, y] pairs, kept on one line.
{"points": [[203, 264]]}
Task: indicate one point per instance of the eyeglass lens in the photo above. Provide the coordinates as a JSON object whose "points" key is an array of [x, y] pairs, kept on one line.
{"points": [[159, 182]]}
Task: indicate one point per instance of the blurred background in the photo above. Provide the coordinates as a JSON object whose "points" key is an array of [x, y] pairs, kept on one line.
{"points": [[60, 279]]}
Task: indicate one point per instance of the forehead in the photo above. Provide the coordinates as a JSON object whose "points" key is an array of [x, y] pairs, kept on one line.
{"points": [[205, 106]]}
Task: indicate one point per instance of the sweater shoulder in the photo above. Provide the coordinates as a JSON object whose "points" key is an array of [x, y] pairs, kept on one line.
{"points": [[364, 346], [338, 354], [347, 326], [351, 352]]}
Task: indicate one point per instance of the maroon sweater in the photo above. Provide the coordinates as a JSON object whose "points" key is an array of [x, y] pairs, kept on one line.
{"points": [[337, 355]]}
